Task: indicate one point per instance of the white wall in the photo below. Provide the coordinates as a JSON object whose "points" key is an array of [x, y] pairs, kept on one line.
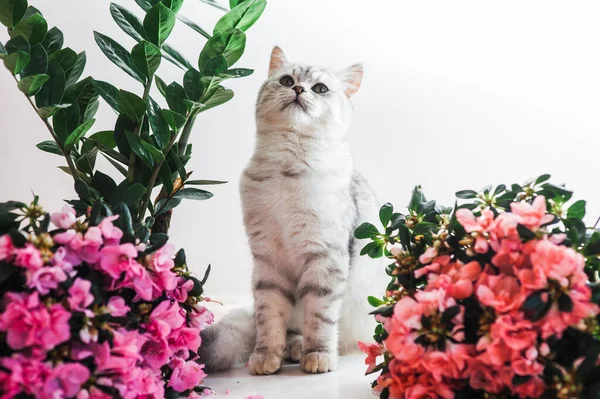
{"points": [[456, 95]]}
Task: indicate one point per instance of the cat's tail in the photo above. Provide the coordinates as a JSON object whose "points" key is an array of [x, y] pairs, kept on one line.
{"points": [[229, 342]]}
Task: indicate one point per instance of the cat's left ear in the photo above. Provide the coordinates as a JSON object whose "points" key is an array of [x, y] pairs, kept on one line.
{"points": [[352, 79], [279, 60]]}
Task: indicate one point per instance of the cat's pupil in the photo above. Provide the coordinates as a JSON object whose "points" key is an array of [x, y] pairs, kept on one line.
{"points": [[287, 81], [320, 88]]}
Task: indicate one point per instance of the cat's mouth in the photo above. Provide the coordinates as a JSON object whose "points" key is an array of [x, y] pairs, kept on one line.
{"points": [[295, 102]]}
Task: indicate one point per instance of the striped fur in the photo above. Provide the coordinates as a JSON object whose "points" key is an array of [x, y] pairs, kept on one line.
{"points": [[302, 200]]}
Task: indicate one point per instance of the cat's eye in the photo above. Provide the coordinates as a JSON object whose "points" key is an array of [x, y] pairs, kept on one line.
{"points": [[320, 88], [287, 81]]}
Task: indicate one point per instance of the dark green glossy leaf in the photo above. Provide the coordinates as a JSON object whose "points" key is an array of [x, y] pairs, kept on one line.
{"points": [[593, 245], [78, 133], [130, 105], [174, 5], [65, 121], [108, 92], [85, 95], [158, 124], [53, 41], [38, 61], [83, 190], [161, 85], [193, 85], [577, 210], [52, 92], [166, 177], [118, 55], [104, 184], [75, 72], [16, 62], [49, 146], [175, 96], [385, 214], [133, 194], [165, 205], [242, 17], [229, 43], [466, 194], [174, 120], [542, 179], [220, 96], [128, 22], [159, 23], [193, 194], [146, 58], [31, 84], [33, 29], [365, 230], [216, 66], [11, 12], [146, 4], [105, 137], [66, 58], [47, 112], [150, 155], [204, 182]]}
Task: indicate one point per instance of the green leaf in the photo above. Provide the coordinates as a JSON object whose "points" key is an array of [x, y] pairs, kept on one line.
{"points": [[85, 95], [216, 65], [174, 5], [16, 62], [17, 43], [128, 22], [108, 92], [31, 10], [38, 61], [233, 3], [175, 96], [385, 214], [159, 23], [2, 50], [577, 210], [174, 120], [87, 161], [375, 302], [366, 230], [11, 12], [161, 85], [146, 58], [166, 177], [33, 29], [542, 179], [66, 58], [592, 247], [118, 55], [133, 194], [83, 190], [104, 184], [52, 92], [242, 17], [165, 205], [193, 194], [111, 153], [30, 84], [146, 152], [49, 146], [220, 96], [174, 57], [146, 4], [47, 112], [65, 121], [466, 194], [105, 137], [204, 182], [75, 72], [78, 133], [525, 233], [193, 25], [192, 84], [369, 247], [229, 43], [158, 124], [53, 41], [130, 105]]}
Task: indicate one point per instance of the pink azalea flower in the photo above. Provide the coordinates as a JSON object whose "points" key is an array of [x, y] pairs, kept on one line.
{"points": [[93, 393], [27, 374], [142, 383], [66, 380], [456, 279], [427, 388], [532, 215], [116, 307], [45, 279], [169, 313], [558, 263], [29, 257], [201, 317], [503, 293], [64, 219], [487, 377], [66, 260], [436, 265], [79, 295], [116, 259], [186, 375], [6, 247], [180, 293], [429, 254], [185, 338], [28, 322], [515, 331], [112, 235], [373, 351], [477, 226], [532, 388], [162, 260], [156, 352]]}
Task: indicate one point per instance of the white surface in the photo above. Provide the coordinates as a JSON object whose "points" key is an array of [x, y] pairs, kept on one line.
{"points": [[347, 382], [456, 95]]}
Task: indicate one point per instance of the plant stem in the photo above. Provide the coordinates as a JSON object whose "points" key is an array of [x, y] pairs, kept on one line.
{"points": [[64, 151], [597, 221], [185, 133], [132, 157]]}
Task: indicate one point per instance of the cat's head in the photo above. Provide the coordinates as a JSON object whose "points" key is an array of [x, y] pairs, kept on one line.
{"points": [[306, 97]]}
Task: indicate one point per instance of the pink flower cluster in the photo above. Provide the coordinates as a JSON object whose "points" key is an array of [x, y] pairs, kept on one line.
{"points": [[96, 318], [523, 292]]}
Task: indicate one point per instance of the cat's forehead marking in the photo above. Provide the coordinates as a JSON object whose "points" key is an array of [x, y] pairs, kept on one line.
{"points": [[305, 73]]}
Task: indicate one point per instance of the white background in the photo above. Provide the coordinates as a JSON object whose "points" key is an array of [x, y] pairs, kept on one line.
{"points": [[456, 95]]}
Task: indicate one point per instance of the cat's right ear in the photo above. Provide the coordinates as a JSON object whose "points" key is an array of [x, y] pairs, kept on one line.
{"points": [[279, 60]]}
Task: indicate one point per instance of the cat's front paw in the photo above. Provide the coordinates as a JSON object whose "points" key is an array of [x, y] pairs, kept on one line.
{"points": [[293, 349], [264, 363], [318, 362]]}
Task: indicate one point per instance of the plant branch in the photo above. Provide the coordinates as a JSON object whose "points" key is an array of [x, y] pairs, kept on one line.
{"points": [[64, 151], [597, 221], [132, 157], [185, 133]]}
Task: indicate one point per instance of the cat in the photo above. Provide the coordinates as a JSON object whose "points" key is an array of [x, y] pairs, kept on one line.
{"points": [[302, 200]]}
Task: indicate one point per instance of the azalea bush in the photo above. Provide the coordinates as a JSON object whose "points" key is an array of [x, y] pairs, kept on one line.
{"points": [[493, 298], [86, 314], [94, 300]]}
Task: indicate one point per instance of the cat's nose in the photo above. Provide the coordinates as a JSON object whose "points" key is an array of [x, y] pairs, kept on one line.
{"points": [[298, 89]]}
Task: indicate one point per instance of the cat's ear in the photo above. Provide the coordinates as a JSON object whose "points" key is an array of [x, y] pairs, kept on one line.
{"points": [[352, 79], [279, 60]]}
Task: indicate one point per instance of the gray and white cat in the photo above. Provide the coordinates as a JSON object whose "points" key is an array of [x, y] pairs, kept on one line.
{"points": [[302, 200]]}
